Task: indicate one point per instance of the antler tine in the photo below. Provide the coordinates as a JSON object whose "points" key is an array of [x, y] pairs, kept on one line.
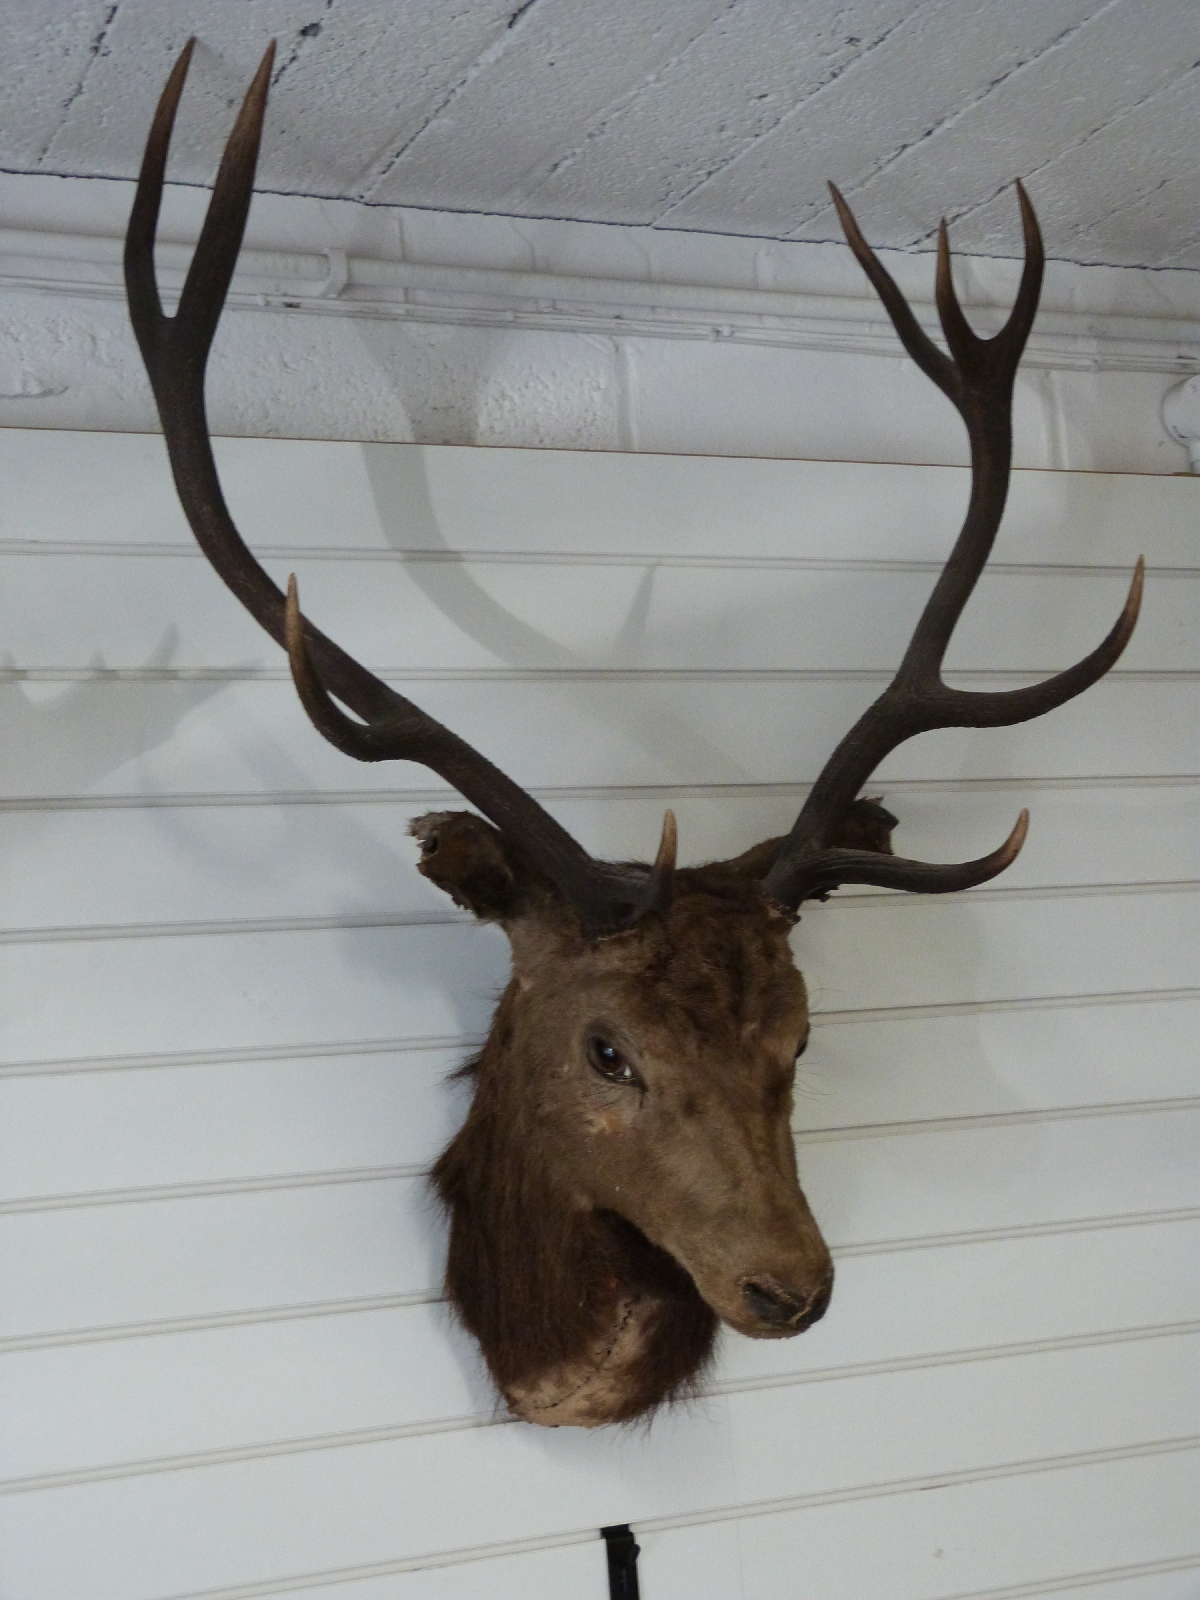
{"points": [[145, 307], [932, 361], [365, 741], [220, 241], [836, 866], [662, 874], [978, 377], [964, 342], [1001, 708], [605, 897], [1016, 330]]}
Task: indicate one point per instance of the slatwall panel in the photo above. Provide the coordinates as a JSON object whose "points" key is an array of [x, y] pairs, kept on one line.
{"points": [[231, 1004]]}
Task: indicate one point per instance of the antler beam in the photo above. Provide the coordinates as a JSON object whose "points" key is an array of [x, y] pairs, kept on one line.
{"points": [[977, 376], [175, 349]]}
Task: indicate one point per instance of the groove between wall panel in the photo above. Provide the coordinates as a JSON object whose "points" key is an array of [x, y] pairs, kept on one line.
{"points": [[306, 1050], [351, 1438], [1007, 1469], [1022, 1230], [92, 933], [1009, 676], [1060, 1583], [992, 1119], [205, 1189], [580, 558], [253, 1317], [564, 793], [302, 1050], [970, 1008]]}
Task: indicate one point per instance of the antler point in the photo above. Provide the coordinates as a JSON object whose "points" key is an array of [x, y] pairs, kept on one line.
{"points": [[293, 622], [1011, 848], [664, 862], [1133, 603]]}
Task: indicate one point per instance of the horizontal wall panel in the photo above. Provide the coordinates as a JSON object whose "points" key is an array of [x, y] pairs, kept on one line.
{"points": [[863, 1074], [260, 1520], [1128, 1505], [249, 990], [162, 1258], [899, 1307], [576, 1568], [109, 1402], [888, 1190], [959, 1538], [383, 1108], [224, 1253], [781, 1435], [155, 1124], [413, 497], [231, 1004], [68, 611], [255, 1385], [877, 951], [211, 737], [354, 982], [212, 862]]}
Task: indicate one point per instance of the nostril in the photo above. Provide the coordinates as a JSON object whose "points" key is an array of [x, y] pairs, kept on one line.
{"points": [[818, 1304], [771, 1302], [765, 1302]]}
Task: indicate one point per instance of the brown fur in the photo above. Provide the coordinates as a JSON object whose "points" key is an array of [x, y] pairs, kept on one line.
{"points": [[598, 1230], [537, 1281]]}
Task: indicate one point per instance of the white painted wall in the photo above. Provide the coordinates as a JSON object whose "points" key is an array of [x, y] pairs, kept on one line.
{"points": [[230, 1002], [230, 1005], [357, 323]]}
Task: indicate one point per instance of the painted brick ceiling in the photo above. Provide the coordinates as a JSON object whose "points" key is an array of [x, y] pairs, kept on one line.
{"points": [[712, 115]]}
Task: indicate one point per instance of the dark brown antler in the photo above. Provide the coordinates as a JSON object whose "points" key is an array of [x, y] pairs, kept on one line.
{"points": [[175, 349], [978, 377]]}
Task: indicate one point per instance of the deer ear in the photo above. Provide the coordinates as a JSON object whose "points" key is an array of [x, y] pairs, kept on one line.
{"points": [[473, 863], [865, 825]]}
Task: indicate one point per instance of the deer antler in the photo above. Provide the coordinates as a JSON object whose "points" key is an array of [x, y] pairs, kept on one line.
{"points": [[978, 377], [175, 349]]}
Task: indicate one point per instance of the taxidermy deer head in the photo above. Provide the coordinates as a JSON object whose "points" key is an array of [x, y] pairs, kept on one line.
{"points": [[625, 1178]]}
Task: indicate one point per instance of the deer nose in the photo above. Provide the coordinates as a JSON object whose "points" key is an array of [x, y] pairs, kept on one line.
{"points": [[771, 1302]]}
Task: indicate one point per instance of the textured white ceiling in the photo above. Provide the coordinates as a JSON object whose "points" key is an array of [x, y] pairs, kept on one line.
{"points": [[719, 116]]}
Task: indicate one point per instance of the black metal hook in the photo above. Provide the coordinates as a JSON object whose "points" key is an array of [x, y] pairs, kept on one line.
{"points": [[622, 1562]]}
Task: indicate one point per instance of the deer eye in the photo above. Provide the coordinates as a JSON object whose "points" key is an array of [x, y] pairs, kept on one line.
{"points": [[803, 1045], [608, 1061]]}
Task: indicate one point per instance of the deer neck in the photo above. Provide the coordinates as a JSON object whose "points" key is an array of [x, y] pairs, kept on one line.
{"points": [[581, 1320]]}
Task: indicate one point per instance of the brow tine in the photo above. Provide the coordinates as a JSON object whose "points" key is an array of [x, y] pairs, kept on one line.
{"points": [[919, 877], [362, 740], [662, 874]]}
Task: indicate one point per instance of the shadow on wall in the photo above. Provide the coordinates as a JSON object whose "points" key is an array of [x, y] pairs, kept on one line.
{"points": [[409, 523], [69, 744]]}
